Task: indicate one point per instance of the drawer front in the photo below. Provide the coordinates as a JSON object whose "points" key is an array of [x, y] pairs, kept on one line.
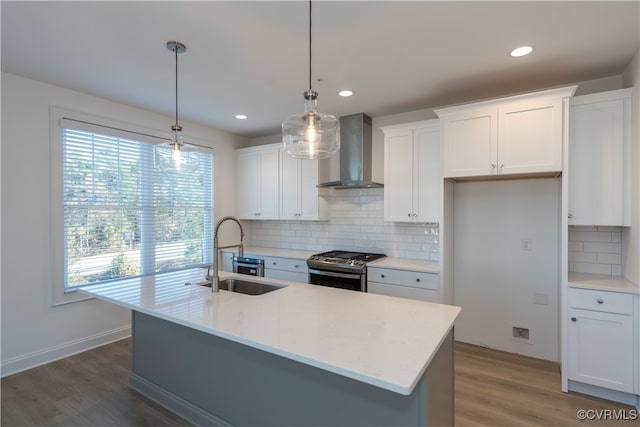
{"points": [[286, 264], [610, 302], [402, 292], [415, 279]]}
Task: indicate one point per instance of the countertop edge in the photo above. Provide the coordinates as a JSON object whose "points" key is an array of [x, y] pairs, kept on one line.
{"points": [[602, 282]]}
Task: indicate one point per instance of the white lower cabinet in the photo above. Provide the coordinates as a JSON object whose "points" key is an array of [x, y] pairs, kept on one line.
{"points": [[403, 283], [291, 269], [601, 339]]}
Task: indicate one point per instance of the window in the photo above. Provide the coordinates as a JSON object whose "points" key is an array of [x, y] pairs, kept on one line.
{"points": [[122, 217]]}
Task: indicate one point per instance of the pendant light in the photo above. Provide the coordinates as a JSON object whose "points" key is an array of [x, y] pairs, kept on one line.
{"points": [[311, 135], [176, 155]]}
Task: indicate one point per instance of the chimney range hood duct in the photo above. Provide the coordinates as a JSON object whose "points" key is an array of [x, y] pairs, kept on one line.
{"points": [[355, 154]]}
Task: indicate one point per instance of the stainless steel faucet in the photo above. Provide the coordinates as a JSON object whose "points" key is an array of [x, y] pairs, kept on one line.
{"points": [[216, 248]]}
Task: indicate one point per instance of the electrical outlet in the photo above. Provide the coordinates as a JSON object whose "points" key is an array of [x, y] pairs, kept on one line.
{"points": [[521, 333]]}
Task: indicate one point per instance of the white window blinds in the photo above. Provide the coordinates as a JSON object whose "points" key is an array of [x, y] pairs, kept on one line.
{"points": [[125, 218]]}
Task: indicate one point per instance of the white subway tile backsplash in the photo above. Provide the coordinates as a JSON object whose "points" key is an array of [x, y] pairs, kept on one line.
{"points": [[575, 247], [590, 236], [610, 248], [584, 267], [609, 259], [595, 249], [355, 223], [583, 257]]}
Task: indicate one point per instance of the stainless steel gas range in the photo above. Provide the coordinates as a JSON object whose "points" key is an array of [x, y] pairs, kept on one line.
{"points": [[341, 269]]}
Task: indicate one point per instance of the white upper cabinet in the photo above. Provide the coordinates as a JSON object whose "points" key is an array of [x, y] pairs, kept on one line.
{"points": [[530, 137], [258, 182], [412, 173], [471, 144], [599, 169], [511, 136], [299, 198]]}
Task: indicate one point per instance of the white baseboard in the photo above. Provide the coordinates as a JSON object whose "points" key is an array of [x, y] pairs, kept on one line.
{"points": [[51, 354], [604, 393]]}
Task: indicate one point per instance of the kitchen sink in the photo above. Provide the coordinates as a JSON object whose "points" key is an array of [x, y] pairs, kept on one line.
{"points": [[245, 287]]}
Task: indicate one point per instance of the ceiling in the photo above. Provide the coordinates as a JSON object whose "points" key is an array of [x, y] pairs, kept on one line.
{"points": [[252, 57]]}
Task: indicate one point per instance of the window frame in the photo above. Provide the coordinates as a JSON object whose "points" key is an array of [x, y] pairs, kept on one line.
{"points": [[61, 295]]}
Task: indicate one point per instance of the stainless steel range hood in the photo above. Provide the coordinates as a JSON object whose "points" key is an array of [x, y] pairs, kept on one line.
{"points": [[355, 154]]}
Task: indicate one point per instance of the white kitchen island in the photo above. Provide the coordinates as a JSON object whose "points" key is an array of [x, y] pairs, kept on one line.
{"points": [[300, 355]]}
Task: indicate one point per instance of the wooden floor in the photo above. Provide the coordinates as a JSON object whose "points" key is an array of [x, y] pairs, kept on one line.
{"points": [[493, 388]]}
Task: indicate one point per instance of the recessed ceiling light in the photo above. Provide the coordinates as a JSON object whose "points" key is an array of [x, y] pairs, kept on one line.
{"points": [[241, 116], [345, 92], [521, 51]]}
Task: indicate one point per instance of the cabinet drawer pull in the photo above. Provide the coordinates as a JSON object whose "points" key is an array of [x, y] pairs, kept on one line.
{"points": [[600, 300], [417, 280], [573, 319], [296, 266], [382, 275], [274, 263]]}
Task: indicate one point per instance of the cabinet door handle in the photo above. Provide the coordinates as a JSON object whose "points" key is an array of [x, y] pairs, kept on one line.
{"points": [[570, 216], [600, 300], [501, 165], [493, 165], [573, 319], [409, 215]]}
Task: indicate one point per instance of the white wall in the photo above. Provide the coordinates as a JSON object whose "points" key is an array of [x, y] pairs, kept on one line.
{"points": [[34, 332], [497, 282], [631, 238]]}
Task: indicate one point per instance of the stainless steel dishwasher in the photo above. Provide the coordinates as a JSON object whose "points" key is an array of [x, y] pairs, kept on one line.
{"points": [[250, 266]]}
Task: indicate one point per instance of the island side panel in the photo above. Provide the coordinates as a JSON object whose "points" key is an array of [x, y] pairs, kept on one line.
{"points": [[439, 386], [241, 385]]}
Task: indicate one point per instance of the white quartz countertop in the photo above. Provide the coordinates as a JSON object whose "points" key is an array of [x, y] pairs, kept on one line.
{"points": [[383, 341], [406, 264], [602, 282]]}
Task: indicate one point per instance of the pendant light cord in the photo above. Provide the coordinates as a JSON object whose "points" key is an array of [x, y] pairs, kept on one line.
{"points": [[309, 45], [175, 49]]}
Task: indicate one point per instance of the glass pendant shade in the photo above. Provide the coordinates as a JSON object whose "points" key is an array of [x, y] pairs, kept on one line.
{"points": [[311, 135], [176, 155]]}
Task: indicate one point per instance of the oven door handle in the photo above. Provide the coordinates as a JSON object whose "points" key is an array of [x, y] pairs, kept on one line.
{"points": [[334, 274]]}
